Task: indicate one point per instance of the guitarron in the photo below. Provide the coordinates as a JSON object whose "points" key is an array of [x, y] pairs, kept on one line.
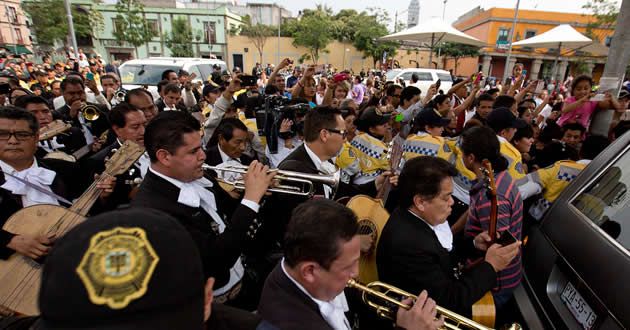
{"points": [[372, 216], [21, 276]]}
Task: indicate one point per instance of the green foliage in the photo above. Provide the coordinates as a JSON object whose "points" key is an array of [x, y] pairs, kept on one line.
{"points": [[131, 27], [50, 24], [313, 31], [180, 39], [605, 13], [457, 51]]}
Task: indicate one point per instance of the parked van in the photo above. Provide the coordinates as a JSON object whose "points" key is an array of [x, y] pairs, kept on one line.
{"points": [[148, 71], [426, 77]]}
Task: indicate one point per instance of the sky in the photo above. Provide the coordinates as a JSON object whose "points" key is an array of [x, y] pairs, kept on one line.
{"points": [[433, 8]]}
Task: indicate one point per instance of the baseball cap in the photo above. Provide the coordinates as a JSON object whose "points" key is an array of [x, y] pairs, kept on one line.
{"points": [[340, 77], [123, 270], [502, 118], [624, 94], [370, 117], [432, 117]]}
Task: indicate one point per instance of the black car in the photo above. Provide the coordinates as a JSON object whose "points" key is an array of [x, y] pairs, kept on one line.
{"points": [[576, 262]]}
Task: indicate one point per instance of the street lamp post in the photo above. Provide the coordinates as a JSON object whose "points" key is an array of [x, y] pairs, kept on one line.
{"points": [[73, 38], [443, 14], [507, 59]]}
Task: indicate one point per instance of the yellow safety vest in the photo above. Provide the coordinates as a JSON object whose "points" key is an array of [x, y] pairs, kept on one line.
{"points": [[424, 144], [348, 162], [372, 155], [515, 160], [465, 177], [553, 180]]}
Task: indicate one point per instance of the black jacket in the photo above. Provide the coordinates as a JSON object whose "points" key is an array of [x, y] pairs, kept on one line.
{"points": [[66, 184], [213, 156], [409, 256], [96, 127], [218, 251]]}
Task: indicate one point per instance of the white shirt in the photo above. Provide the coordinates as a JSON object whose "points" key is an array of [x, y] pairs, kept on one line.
{"points": [[442, 231], [332, 311], [227, 161], [29, 195], [283, 151], [323, 167]]}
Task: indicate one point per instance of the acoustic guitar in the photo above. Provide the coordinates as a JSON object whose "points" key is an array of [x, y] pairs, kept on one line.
{"points": [[54, 128], [21, 276], [372, 216], [484, 311]]}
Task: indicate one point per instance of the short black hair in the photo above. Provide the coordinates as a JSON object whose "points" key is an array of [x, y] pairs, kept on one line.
{"points": [[161, 85], [531, 100], [503, 101], [579, 79], [71, 80], [118, 113], [171, 88], [522, 133], [438, 99], [423, 176], [166, 73], [391, 89], [409, 92], [485, 97], [593, 145], [136, 92], [15, 113], [573, 127], [551, 132], [108, 76], [316, 230], [226, 130], [25, 100], [521, 110], [166, 131], [482, 142], [318, 119]]}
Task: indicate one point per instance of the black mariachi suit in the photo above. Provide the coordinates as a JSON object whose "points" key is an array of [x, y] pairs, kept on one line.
{"points": [[66, 184], [124, 181], [96, 127], [409, 256], [219, 252], [213, 156]]}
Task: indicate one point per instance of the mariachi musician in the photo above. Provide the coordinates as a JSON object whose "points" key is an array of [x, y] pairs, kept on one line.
{"points": [[67, 142], [90, 118], [128, 124], [26, 180]]}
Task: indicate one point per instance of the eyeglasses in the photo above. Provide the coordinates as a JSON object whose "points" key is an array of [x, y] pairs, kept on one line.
{"points": [[341, 132], [20, 136]]}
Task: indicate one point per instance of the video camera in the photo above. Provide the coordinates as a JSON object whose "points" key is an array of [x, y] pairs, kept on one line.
{"points": [[270, 111]]}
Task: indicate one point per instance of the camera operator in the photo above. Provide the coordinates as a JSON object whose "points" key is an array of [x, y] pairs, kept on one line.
{"points": [[290, 132]]}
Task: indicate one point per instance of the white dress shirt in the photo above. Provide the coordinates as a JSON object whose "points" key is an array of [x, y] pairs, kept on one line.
{"points": [[36, 175], [323, 167], [442, 231], [332, 311]]}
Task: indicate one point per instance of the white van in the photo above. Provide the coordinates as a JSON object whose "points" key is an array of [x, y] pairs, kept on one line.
{"points": [[426, 77], [148, 71]]}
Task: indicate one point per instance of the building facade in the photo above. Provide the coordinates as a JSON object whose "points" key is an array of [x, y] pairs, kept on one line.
{"points": [[260, 12], [14, 28], [493, 26], [413, 13]]}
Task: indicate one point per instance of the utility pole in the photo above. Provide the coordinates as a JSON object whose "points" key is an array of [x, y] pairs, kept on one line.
{"points": [[507, 59], [279, 24], [73, 38], [440, 48]]}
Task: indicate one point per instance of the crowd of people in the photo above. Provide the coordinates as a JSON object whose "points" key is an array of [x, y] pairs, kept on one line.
{"points": [[169, 244]]}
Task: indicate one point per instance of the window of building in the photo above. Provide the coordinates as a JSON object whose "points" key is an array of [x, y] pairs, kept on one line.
{"points": [[12, 15], [608, 41], [210, 32], [117, 24], [605, 201], [529, 34], [18, 36], [502, 36], [153, 25]]}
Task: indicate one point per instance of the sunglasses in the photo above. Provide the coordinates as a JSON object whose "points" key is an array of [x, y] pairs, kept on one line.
{"points": [[342, 132]]}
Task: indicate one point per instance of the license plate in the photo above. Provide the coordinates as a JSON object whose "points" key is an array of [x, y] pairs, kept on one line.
{"points": [[582, 312]]}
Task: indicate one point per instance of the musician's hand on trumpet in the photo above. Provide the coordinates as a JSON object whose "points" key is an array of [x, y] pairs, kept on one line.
{"points": [[33, 247], [257, 180], [75, 108], [421, 316]]}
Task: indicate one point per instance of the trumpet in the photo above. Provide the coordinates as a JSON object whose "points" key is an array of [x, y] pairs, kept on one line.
{"points": [[120, 95], [384, 299], [90, 112], [304, 180]]}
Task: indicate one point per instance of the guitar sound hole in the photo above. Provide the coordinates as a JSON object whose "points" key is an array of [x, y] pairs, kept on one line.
{"points": [[367, 227]]}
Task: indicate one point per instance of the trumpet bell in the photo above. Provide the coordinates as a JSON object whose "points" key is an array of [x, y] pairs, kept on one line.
{"points": [[90, 112]]}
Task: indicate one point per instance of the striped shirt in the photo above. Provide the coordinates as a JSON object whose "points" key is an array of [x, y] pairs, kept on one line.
{"points": [[509, 217]]}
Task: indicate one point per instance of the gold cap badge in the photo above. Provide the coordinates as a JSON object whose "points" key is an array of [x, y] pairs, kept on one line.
{"points": [[117, 266]]}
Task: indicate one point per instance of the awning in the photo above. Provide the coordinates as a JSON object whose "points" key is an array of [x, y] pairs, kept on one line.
{"points": [[16, 49]]}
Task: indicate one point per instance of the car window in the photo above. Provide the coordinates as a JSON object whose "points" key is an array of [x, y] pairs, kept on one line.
{"points": [[206, 71], [390, 75], [605, 201], [444, 77], [424, 76], [406, 76], [144, 74]]}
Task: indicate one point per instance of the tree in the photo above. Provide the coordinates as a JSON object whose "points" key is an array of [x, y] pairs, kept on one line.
{"points": [[457, 51], [180, 39], [313, 31], [367, 31], [50, 24], [131, 27], [257, 34]]}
